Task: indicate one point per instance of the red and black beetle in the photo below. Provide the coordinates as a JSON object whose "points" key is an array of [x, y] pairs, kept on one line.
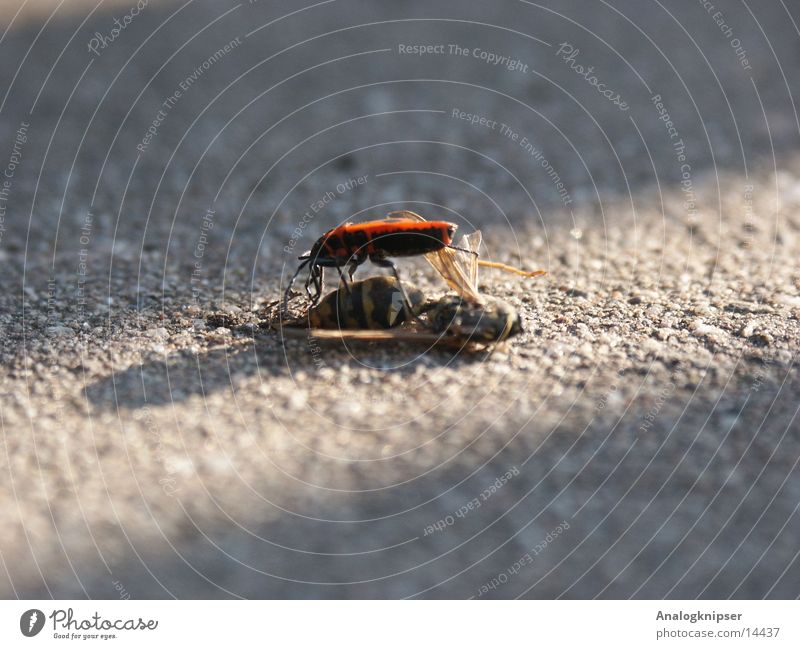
{"points": [[351, 244]]}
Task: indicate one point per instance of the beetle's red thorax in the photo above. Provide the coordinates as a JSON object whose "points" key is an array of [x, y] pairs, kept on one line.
{"points": [[391, 237]]}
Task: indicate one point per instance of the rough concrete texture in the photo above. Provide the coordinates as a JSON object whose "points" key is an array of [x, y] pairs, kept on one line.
{"points": [[639, 440]]}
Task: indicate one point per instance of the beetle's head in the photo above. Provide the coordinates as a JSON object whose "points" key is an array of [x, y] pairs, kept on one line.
{"points": [[317, 250]]}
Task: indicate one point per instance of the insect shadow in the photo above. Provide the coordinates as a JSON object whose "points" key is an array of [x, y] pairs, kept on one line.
{"points": [[186, 374], [175, 378]]}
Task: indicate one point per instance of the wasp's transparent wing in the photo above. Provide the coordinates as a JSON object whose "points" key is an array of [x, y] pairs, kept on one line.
{"points": [[472, 243], [405, 214], [459, 269]]}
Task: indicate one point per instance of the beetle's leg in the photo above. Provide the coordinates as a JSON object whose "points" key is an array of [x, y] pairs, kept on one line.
{"points": [[344, 281], [319, 278], [311, 280], [351, 267], [388, 263], [319, 266], [291, 282]]}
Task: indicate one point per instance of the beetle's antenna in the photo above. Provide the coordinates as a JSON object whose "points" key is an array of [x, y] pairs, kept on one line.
{"points": [[469, 252], [511, 269]]}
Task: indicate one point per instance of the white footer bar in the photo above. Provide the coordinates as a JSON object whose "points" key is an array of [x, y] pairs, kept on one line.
{"points": [[389, 624]]}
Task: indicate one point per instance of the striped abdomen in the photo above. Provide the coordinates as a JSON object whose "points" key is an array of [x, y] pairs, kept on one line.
{"points": [[374, 303]]}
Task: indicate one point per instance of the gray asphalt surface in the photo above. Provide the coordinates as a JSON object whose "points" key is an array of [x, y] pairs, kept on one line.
{"points": [[639, 440]]}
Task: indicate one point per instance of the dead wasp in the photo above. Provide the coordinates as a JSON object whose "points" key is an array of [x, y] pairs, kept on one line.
{"points": [[492, 321], [368, 310], [470, 315], [376, 303], [373, 303], [351, 244]]}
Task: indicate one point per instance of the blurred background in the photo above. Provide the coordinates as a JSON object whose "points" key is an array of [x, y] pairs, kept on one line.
{"points": [[164, 163]]}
